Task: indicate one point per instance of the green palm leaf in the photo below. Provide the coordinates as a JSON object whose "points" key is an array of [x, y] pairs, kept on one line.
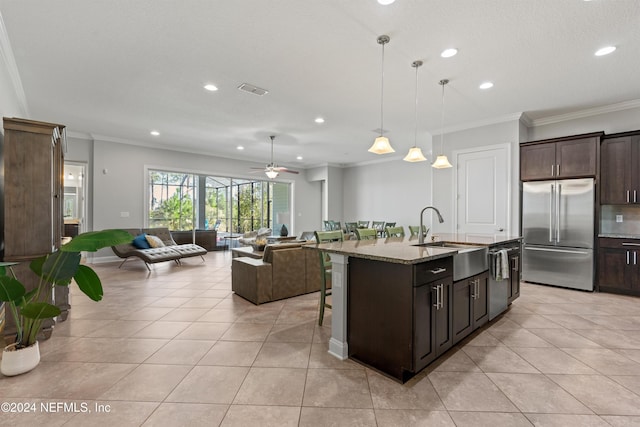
{"points": [[10, 289], [94, 240], [39, 310], [89, 282]]}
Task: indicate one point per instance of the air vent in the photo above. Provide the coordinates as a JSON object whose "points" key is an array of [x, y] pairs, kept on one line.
{"points": [[252, 89]]}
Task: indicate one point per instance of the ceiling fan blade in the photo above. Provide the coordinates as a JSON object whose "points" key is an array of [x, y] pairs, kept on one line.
{"points": [[258, 169], [286, 170]]}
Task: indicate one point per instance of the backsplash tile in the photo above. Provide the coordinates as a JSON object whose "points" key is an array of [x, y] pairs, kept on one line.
{"points": [[630, 224]]}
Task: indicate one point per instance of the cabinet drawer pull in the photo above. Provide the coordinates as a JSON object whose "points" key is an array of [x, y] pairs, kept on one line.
{"points": [[635, 258], [628, 196], [438, 270], [630, 244], [627, 257], [558, 170], [552, 169], [634, 196]]}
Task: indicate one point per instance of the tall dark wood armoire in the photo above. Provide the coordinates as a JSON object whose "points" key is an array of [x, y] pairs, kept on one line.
{"points": [[33, 199]]}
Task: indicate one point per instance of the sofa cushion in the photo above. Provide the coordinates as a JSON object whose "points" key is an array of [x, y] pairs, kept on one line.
{"points": [[269, 249], [140, 241], [155, 241]]}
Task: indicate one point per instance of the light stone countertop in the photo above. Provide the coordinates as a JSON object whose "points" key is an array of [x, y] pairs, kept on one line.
{"points": [[404, 250]]}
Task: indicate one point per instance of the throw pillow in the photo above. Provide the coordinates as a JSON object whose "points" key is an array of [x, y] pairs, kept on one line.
{"points": [[155, 241], [140, 241]]}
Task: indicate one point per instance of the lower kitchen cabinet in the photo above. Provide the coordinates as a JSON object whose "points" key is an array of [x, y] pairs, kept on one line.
{"points": [[398, 315], [469, 305], [619, 266], [433, 326]]}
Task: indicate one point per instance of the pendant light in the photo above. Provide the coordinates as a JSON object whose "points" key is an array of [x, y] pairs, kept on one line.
{"points": [[415, 153], [381, 144], [441, 161]]}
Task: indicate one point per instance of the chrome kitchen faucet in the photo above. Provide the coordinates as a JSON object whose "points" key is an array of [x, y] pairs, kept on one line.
{"points": [[420, 234]]}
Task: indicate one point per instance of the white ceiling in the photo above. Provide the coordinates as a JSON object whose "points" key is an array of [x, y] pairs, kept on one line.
{"points": [[120, 68]]}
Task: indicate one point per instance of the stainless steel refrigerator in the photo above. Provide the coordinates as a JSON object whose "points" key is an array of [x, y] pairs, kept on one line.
{"points": [[557, 227]]}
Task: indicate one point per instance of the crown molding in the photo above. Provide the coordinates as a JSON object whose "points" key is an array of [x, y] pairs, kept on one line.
{"points": [[9, 59], [621, 106], [479, 123], [79, 135]]}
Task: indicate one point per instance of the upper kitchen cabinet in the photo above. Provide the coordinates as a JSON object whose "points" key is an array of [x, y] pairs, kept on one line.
{"points": [[559, 158], [620, 169]]}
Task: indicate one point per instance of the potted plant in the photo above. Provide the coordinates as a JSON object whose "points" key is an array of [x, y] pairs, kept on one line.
{"points": [[30, 309]]}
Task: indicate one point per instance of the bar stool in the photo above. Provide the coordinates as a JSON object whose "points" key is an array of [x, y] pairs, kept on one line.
{"points": [[325, 267], [366, 233], [395, 231]]}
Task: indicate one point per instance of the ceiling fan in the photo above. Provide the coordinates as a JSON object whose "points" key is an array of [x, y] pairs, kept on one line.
{"points": [[272, 170]]}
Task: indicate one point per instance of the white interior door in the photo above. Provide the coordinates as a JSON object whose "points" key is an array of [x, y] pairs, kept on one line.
{"points": [[483, 190]]}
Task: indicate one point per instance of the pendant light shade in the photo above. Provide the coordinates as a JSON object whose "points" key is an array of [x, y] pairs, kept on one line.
{"points": [[441, 161], [415, 153], [381, 144]]}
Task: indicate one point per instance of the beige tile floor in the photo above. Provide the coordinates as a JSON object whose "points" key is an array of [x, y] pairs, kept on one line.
{"points": [[176, 347]]}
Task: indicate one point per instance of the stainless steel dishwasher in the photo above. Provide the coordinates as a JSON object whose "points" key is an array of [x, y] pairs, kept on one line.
{"points": [[499, 289]]}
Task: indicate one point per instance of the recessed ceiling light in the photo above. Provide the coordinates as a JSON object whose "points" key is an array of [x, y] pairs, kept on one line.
{"points": [[319, 120], [605, 50], [211, 87], [155, 133], [385, 2], [486, 85], [240, 147], [448, 53], [299, 158]]}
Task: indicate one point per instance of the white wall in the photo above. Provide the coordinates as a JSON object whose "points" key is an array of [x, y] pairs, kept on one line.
{"points": [[388, 191], [10, 105], [443, 179]]}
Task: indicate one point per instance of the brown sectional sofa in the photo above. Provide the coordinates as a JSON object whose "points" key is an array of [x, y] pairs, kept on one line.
{"points": [[285, 270], [170, 252]]}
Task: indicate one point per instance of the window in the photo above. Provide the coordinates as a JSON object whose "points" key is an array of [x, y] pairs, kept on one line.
{"points": [[181, 200]]}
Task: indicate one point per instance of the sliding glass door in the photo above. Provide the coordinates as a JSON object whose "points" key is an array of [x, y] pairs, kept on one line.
{"points": [[182, 201]]}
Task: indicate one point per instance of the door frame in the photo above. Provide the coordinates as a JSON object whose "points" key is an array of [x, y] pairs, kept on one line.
{"points": [[456, 155], [83, 226]]}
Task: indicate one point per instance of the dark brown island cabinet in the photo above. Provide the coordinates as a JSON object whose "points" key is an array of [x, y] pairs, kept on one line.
{"points": [[619, 265], [399, 317], [470, 305], [620, 169], [568, 157]]}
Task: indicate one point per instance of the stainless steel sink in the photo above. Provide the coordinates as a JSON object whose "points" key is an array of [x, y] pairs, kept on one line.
{"points": [[470, 260]]}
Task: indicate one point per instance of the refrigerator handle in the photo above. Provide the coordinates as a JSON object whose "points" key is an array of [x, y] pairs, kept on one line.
{"points": [[558, 197], [551, 198]]}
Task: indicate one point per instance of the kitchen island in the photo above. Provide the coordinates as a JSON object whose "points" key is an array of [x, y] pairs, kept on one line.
{"points": [[393, 306]]}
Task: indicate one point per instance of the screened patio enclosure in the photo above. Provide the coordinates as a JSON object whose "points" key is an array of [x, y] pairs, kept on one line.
{"points": [[184, 201]]}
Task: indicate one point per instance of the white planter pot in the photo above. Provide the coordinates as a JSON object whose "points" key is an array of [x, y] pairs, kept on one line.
{"points": [[16, 362]]}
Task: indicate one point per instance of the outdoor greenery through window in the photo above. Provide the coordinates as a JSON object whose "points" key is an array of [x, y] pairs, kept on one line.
{"points": [[184, 201]]}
